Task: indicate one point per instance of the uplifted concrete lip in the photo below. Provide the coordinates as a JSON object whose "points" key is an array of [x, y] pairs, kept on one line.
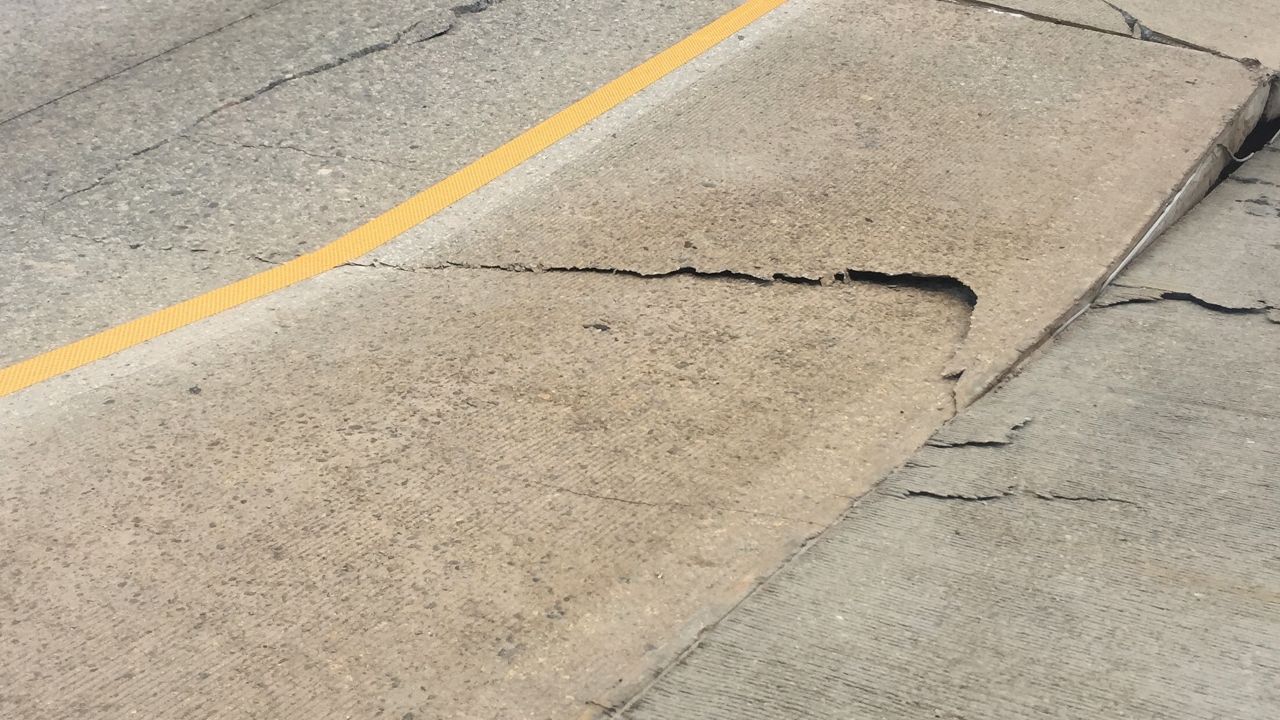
{"points": [[1019, 158]]}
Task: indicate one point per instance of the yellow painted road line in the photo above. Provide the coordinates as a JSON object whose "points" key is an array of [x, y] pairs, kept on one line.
{"points": [[393, 222]]}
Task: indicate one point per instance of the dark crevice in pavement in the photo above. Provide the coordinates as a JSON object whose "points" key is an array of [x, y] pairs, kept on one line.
{"points": [[1153, 295], [316, 70], [1013, 492], [944, 284], [1251, 181], [1266, 132], [141, 62], [957, 496], [932, 283], [117, 167]]}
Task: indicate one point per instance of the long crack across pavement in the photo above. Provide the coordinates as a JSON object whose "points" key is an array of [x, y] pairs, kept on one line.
{"points": [[1136, 28], [1136, 294], [415, 33]]}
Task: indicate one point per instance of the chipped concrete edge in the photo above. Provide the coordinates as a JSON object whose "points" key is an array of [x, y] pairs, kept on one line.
{"points": [[1195, 185]]}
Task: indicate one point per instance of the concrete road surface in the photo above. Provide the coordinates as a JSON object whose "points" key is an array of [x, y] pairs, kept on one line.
{"points": [[511, 455]]}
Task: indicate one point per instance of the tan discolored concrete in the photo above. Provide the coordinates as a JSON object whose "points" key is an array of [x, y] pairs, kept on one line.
{"points": [[1021, 158], [458, 493], [1244, 29]]}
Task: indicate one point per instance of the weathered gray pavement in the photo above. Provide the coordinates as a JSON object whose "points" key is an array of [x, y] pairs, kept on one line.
{"points": [[510, 464], [1098, 538], [273, 136]]}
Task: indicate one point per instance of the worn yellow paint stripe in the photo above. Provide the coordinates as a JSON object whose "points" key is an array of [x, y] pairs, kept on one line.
{"points": [[393, 222]]}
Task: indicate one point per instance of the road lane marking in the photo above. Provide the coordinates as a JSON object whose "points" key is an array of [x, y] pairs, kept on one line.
{"points": [[392, 223]]}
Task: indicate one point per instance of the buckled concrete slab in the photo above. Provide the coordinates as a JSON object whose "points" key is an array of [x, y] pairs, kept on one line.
{"points": [[1022, 159]]}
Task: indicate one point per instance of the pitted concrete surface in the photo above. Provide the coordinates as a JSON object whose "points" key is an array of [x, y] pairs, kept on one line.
{"points": [[989, 149], [1094, 539], [460, 493], [1243, 29]]}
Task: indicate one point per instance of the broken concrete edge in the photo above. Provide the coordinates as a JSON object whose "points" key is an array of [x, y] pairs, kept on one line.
{"points": [[943, 439], [1203, 176], [945, 284], [622, 700]]}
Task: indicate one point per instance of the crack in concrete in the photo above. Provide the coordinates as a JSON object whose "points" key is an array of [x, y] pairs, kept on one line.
{"points": [[1140, 31], [931, 283], [998, 8], [1081, 498], [667, 504], [1153, 295], [117, 167], [1137, 29], [142, 62], [1251, 181], [1014, 492], [946, 284], [303, 151], [185, 133], [1006, 439], [957, 496], [316, 70]]}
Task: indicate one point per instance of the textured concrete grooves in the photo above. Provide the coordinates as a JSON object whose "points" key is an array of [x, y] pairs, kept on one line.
{"points": [[1096, 538], [460, 493], [1011, 191]]}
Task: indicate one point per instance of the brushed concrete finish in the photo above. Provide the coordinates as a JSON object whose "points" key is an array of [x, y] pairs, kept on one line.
{"points": [[460, 493]]}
